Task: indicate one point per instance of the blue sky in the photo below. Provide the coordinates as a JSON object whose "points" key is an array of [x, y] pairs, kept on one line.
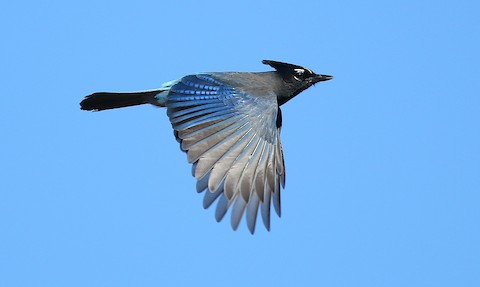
{"points": [[383, 162]]}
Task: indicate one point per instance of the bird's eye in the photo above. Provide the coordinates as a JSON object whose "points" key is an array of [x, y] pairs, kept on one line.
{"points": [[299, 74]]}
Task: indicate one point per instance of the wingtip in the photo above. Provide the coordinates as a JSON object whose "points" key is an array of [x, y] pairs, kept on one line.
{"points": [[251, 225], [222, 207]]}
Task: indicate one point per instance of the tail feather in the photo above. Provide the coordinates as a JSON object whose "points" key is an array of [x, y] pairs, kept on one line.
{"points": [[106, 100]]}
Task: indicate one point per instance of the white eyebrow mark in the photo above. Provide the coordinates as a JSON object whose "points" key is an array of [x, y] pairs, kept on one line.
{"points": [[299, 71]]}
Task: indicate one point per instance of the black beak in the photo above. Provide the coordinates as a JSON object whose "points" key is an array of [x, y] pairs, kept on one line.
{"points": [[321, 78]]}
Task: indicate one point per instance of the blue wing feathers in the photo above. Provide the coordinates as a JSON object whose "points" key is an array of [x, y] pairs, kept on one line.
{"points": [[191, 109], [205, 119], [193, 113], [232, 140], [201, 132]]}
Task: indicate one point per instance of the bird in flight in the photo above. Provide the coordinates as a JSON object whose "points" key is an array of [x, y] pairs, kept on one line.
{"points": [[228, 124]]}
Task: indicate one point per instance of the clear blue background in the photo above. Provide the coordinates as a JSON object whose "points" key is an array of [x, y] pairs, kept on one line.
{"points": [[383, 173]]}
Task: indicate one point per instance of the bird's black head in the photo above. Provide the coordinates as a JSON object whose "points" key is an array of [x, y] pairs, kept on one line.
{"points": [[296, 78]]}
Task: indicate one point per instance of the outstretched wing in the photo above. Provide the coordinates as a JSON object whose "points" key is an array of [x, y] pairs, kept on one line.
{"points": [[233, 141]]}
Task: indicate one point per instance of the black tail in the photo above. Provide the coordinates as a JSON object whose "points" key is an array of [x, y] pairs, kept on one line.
{"points": [[104, 100]]}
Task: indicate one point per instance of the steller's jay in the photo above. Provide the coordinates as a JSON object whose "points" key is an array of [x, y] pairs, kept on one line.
{"points": [[229, 125]]}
